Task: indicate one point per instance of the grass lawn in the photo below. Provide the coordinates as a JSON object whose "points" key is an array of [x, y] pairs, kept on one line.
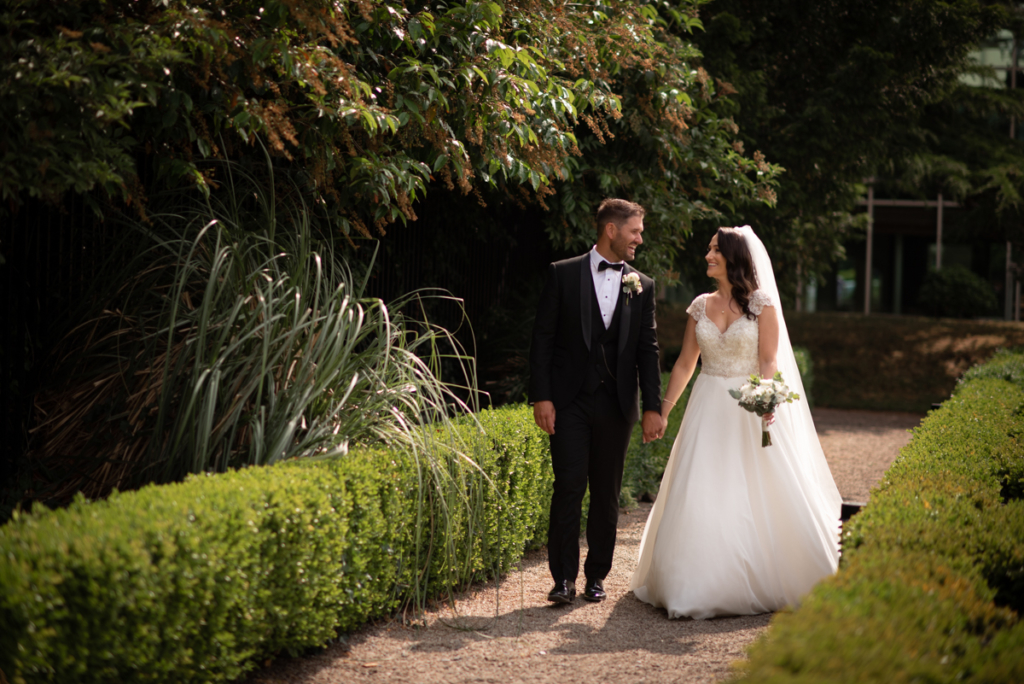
{"points": [[879, 362]]}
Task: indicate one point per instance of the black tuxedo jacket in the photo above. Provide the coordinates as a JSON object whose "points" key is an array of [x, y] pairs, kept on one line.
{"points": [[561, 340]]}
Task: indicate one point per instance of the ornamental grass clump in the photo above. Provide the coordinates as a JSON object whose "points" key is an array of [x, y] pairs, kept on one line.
{"points": [[227, 333]]}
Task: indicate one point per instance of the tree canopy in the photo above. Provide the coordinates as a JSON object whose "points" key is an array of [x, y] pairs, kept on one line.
{"points": [[963, 147], [835, 92], [544, 102]]}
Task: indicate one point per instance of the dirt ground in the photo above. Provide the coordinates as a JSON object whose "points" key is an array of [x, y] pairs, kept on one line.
{"points": [[511, 634]]}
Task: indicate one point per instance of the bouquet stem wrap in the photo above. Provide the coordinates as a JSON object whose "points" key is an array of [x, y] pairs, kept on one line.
{"points": [[766, 437]]}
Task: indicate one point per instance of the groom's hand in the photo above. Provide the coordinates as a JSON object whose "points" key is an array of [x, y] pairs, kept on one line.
{"points": [[544, 416], [653, 425]]}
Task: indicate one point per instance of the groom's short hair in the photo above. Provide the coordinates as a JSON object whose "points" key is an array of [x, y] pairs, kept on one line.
{"points": [[617, 211]]}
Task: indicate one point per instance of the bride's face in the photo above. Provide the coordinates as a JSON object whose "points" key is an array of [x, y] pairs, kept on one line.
{"points": [[716, 262]]}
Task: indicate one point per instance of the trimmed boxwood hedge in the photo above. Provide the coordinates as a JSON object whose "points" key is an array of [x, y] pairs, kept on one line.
{"points": [[931, 585], [193, 582]]}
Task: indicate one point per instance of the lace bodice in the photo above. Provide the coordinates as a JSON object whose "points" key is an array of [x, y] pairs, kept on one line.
{"points": [[732, 353]]}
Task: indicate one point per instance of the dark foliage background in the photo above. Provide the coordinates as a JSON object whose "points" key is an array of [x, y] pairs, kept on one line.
{"points": [[837, 92]]}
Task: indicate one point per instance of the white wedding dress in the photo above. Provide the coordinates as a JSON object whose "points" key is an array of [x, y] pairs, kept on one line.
{"points": [[737, 528]]}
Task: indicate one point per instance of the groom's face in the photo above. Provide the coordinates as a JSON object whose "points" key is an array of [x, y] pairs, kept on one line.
{"points": [[627, 238]]}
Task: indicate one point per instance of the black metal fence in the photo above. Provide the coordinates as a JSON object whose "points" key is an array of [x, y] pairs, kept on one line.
{"points": [[51, 254]]}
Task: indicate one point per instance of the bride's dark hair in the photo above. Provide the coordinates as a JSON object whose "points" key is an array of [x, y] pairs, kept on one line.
{"points": [[739, 267]]}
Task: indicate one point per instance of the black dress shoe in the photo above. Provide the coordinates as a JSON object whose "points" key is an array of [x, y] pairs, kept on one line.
{"points": [[594, 591], [564, 592]]}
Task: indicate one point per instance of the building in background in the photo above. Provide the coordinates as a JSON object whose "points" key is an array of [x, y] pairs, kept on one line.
{"points": [[909, 237]]}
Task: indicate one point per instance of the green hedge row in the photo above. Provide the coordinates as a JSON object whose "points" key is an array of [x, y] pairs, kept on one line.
{"points": [[931, 585], [193, 582]]}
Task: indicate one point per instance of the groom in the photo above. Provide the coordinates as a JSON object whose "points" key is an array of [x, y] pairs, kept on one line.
{"points": [[594, 351]]}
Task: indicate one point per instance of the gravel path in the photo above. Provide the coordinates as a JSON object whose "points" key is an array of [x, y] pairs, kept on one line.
{"points": [[860, 445], [514, 635]]}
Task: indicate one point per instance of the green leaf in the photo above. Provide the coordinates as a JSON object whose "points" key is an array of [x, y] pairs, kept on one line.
{"points": [[506, 55], [369, 123]]}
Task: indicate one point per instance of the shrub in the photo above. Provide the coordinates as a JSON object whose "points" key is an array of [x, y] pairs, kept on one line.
{"points": [[956, 292], [932, 580], [496, 502], [1005, 364], [195, 581], [806, 366], [912, 361]]}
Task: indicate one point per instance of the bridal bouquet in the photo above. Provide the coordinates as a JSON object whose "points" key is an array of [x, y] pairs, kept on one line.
{"points": [[761, 397]]}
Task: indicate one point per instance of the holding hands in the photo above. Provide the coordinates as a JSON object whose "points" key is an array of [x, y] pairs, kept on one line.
{"points": [[654, 425]]}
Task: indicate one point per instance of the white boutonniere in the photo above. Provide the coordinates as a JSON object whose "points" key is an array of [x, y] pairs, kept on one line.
{"points": [[631, 285]]}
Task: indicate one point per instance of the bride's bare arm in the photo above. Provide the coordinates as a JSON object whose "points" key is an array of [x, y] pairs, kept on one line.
{"points": [[682, 370], [767, 341]]}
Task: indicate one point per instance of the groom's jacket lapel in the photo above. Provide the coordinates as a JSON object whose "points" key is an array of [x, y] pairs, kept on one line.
{"points": [[586, 288]]}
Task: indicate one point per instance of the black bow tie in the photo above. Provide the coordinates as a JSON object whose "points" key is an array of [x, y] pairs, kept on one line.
{"points": [[604, 264]]}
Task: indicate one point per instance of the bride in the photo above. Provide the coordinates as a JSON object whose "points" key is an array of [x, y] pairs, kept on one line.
{"points": [[738, 529]]}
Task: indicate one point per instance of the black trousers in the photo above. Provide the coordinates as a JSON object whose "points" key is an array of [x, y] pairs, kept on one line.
{"points": [[589, 444]]}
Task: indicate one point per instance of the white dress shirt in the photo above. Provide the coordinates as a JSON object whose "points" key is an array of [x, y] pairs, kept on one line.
{"points": [[607, 285]]}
